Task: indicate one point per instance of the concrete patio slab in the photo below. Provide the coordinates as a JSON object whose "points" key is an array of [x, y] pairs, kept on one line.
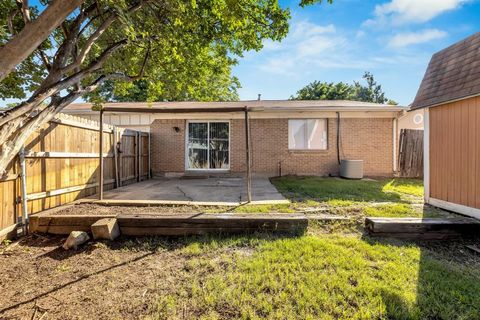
{"points": [[198, 191]]}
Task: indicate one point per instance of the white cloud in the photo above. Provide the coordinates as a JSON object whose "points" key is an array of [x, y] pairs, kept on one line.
{"points": [[305, 44], [310, 48], [408, 38], [404, 11]]}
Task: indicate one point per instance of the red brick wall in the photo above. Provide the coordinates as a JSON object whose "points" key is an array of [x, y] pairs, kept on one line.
{"points": [[168, 146], [367, 139]]}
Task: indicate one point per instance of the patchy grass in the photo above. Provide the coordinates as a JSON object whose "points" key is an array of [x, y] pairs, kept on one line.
{"points": [[335, 189], [332, 272], [283, 208], [392, 210], [327, 276], [412, 187], [358, 197]]}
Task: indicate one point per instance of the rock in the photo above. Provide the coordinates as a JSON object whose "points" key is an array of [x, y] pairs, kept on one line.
{"points": [[106, 228], [75, 239]]}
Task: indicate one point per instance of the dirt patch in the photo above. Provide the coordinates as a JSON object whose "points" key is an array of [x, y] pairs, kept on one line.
{"points": [[103, 280], [94, 209]]}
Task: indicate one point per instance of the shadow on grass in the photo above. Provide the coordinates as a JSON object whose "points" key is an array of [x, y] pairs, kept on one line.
{"points": [[447, 281], [148, 246]]}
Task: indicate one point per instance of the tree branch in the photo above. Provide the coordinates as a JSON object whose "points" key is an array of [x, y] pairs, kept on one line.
{"points": [[24, 8], [89, 44], [12, 144], [95, 35]]}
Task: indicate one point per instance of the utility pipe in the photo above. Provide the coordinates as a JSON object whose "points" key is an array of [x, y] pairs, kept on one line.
{"points": [[338, 137]]}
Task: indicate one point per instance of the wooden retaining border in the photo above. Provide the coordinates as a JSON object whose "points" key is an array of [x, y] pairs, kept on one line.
{"points": [[423, 228], [158, 203], [174, 225]]}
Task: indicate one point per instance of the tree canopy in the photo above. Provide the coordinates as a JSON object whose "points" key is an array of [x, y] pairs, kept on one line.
{"points": [[178, 49], [371, 92]]}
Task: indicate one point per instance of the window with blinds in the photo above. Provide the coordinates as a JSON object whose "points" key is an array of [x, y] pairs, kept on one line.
{"points": [[307, 134], [208, 145]]}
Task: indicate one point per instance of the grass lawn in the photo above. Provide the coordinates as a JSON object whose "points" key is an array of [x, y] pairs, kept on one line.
{"points": [[328, 189], [333, 271], [321, 276], [368, 197]]}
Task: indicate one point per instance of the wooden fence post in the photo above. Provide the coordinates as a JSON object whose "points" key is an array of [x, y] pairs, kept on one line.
{"points": [[115, 156], [137, 148], [100, 158], [149, 156]]}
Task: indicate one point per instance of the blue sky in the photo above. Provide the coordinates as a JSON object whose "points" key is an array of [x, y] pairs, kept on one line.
{"points": [[393, 39]]}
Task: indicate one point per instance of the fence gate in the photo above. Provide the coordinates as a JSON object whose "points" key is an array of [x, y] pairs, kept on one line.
{"points": [[410, 159]]}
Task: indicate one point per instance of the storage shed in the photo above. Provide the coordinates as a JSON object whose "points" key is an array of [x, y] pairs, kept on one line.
{"points": [[450, 96]]}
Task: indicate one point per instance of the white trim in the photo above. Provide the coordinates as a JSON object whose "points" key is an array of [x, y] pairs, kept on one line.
{"points": [[459, 208], [426, 155], [187, 169]]}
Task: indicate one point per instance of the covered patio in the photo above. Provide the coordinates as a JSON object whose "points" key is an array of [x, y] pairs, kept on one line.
{"points": [[196, 191]]}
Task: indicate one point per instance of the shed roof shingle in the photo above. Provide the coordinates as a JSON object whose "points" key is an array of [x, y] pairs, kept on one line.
{"points": [[453, 73]]}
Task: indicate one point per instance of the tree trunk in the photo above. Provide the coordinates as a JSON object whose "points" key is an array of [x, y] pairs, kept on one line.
{"points": [[13, 145], [15, 141], [33, 34]]}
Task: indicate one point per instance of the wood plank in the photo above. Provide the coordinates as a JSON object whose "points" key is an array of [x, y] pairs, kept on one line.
{"points": [[77, 124], [151, 224], [9, 177], [51, 193], [61, 229], [135, 231], [394, 226], [67, 155]]}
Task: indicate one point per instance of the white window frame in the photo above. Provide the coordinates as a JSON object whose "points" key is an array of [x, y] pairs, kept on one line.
{"points": [[208, 143], [308, 149]]}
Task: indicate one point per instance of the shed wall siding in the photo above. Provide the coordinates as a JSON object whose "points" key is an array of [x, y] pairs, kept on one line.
{"points": [[455, 152], [361, 138]]}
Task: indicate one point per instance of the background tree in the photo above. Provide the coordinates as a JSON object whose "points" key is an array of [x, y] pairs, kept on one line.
{"points": [[316, 90], [166, 42], [213, 82]]}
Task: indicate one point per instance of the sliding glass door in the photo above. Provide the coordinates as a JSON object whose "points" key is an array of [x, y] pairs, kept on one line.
{"points": [[208, 145]]}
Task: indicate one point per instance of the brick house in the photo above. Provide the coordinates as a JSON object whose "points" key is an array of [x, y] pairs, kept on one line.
{"points": [[286, 137]]}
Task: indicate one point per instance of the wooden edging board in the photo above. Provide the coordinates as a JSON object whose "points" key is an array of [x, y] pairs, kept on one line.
{"points": [[422, 228], [152, 203], [174, 225]]}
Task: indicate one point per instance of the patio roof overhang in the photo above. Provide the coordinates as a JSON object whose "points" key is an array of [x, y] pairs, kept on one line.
{"points": [[244, 110]]}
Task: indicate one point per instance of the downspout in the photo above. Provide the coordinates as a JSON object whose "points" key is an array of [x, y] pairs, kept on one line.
{"points": [[23, 179], [338, 137], [394, 138]]}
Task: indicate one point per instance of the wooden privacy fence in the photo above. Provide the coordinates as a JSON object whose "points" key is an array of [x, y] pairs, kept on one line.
{"points": [[410, 159], [62, 163]]}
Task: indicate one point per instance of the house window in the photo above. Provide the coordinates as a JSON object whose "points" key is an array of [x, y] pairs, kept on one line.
{"points": [[208, 145], [307, 134]]}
